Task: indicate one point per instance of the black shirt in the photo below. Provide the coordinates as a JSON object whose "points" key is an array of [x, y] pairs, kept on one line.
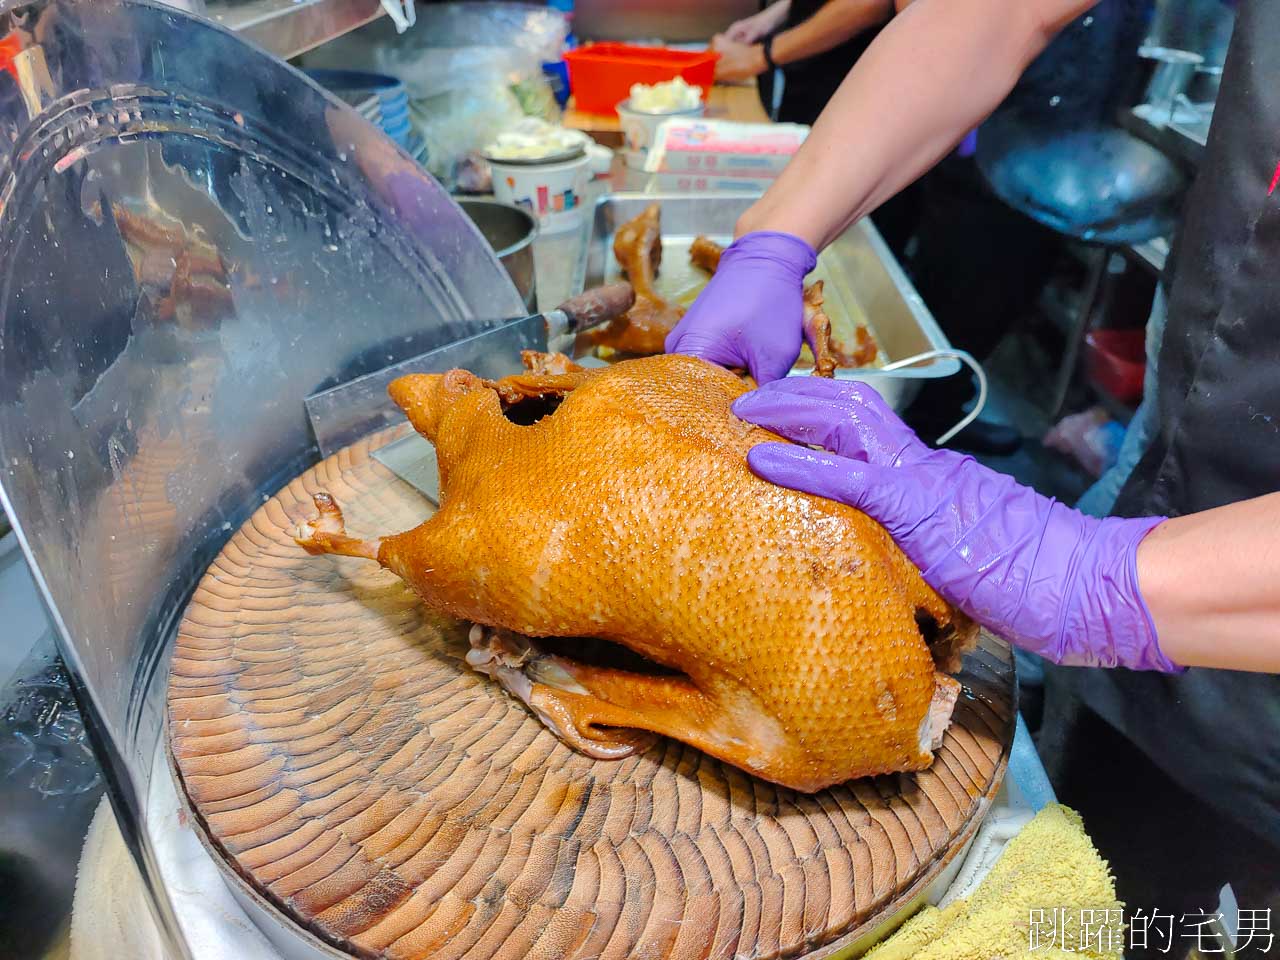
{"points": [[1078, 80], [1085, 72], [811, 83]]}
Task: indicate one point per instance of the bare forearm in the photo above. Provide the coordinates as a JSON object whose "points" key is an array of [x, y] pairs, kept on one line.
{"points": [[1211, 581], [836, 22], [934, 73], [776, 14]]}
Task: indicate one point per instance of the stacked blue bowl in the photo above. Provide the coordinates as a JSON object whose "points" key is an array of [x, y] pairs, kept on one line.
{"points": [[379, 98]]}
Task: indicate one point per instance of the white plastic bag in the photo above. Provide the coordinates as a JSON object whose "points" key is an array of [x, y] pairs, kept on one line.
{"points": [[1091, 437], [471, 70], [402, 13]]}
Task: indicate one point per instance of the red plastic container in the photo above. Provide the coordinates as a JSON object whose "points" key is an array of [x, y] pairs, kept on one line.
{"points": [[1116, 361], [10, 47], [601, 74]]}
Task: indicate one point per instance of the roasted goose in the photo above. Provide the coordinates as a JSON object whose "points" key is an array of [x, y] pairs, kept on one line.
{"points": [[817, 326], [705, 253], [638, 247], [643, 329], [783, 633], [861, 354]]}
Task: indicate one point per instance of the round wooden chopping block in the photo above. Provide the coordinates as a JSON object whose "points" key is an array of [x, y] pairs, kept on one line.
{"points": [[341, 757]]}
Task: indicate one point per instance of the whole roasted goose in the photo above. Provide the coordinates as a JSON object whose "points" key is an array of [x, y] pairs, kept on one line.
{"points": [[783, 633]]}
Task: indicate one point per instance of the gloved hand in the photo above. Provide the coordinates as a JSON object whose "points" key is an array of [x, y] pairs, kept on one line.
{"points": [[1047, 578], [751, 313]]}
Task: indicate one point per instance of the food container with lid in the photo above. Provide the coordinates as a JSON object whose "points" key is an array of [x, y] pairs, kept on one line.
{"points": [[543, 169], [640, 129]]}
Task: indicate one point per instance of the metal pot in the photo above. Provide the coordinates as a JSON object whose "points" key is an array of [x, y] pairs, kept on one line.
{"points": [[511, 232], [1104, 185]]}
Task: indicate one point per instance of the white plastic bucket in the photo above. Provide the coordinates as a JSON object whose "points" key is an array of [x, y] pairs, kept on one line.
{"points": [[552, 192]]}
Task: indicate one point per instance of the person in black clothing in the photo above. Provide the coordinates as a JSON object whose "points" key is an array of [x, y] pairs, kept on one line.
{"points": [[814, 42], [976, 290], [980, 265], [1196, 803]]}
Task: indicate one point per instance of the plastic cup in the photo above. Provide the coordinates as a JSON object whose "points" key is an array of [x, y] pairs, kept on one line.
{"points": [[640, 129]]}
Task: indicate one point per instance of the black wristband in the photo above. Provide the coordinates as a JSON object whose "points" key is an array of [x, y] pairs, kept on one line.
{"points": [[767, 46]]}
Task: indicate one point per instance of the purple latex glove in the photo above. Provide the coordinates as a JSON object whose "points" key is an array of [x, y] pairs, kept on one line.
{"points": [[1048, 578], [751, 313]]}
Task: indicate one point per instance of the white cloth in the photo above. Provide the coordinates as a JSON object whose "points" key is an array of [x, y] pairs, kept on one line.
{"points": [[110, 916]]}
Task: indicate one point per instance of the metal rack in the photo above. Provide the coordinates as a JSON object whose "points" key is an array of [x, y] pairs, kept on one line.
{"points": [[1184, 142], [1150, 254]]}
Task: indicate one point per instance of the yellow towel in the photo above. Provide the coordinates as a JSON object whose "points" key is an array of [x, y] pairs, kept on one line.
{"points": [[1046, 897]]}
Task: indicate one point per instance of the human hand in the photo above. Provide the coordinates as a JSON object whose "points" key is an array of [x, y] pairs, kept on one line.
{"points": [[759, 25], [751, 313], [738, 61], [743, 31], [1048, 578]]}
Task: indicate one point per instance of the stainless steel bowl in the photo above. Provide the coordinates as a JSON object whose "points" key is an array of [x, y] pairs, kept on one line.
{"points": [[511, 232], [1101, 185]]}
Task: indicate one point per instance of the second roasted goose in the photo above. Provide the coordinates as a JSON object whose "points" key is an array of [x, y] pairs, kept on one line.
{"points": [[781, 632], [642, 330]]}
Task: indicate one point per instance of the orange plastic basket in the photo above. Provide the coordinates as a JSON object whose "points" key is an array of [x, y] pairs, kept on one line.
{"points": [[10, 47], [601, 74]]}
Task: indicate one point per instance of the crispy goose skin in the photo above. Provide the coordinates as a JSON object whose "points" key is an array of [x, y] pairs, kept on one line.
{"points": [[791, 628]]}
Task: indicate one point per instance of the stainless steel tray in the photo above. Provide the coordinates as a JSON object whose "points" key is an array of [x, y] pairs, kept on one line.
{"points": [[863, 280]]}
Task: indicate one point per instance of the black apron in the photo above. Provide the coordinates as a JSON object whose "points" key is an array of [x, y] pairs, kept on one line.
{"points": [[1217, 732]]}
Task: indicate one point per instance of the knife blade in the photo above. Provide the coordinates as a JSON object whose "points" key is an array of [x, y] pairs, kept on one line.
{"points": [[412, 458], [350, 410]]}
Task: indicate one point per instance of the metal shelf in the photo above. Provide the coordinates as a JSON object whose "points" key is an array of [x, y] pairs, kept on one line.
{"points": [[1183, 142], [1150, 253], [290, 27]]}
